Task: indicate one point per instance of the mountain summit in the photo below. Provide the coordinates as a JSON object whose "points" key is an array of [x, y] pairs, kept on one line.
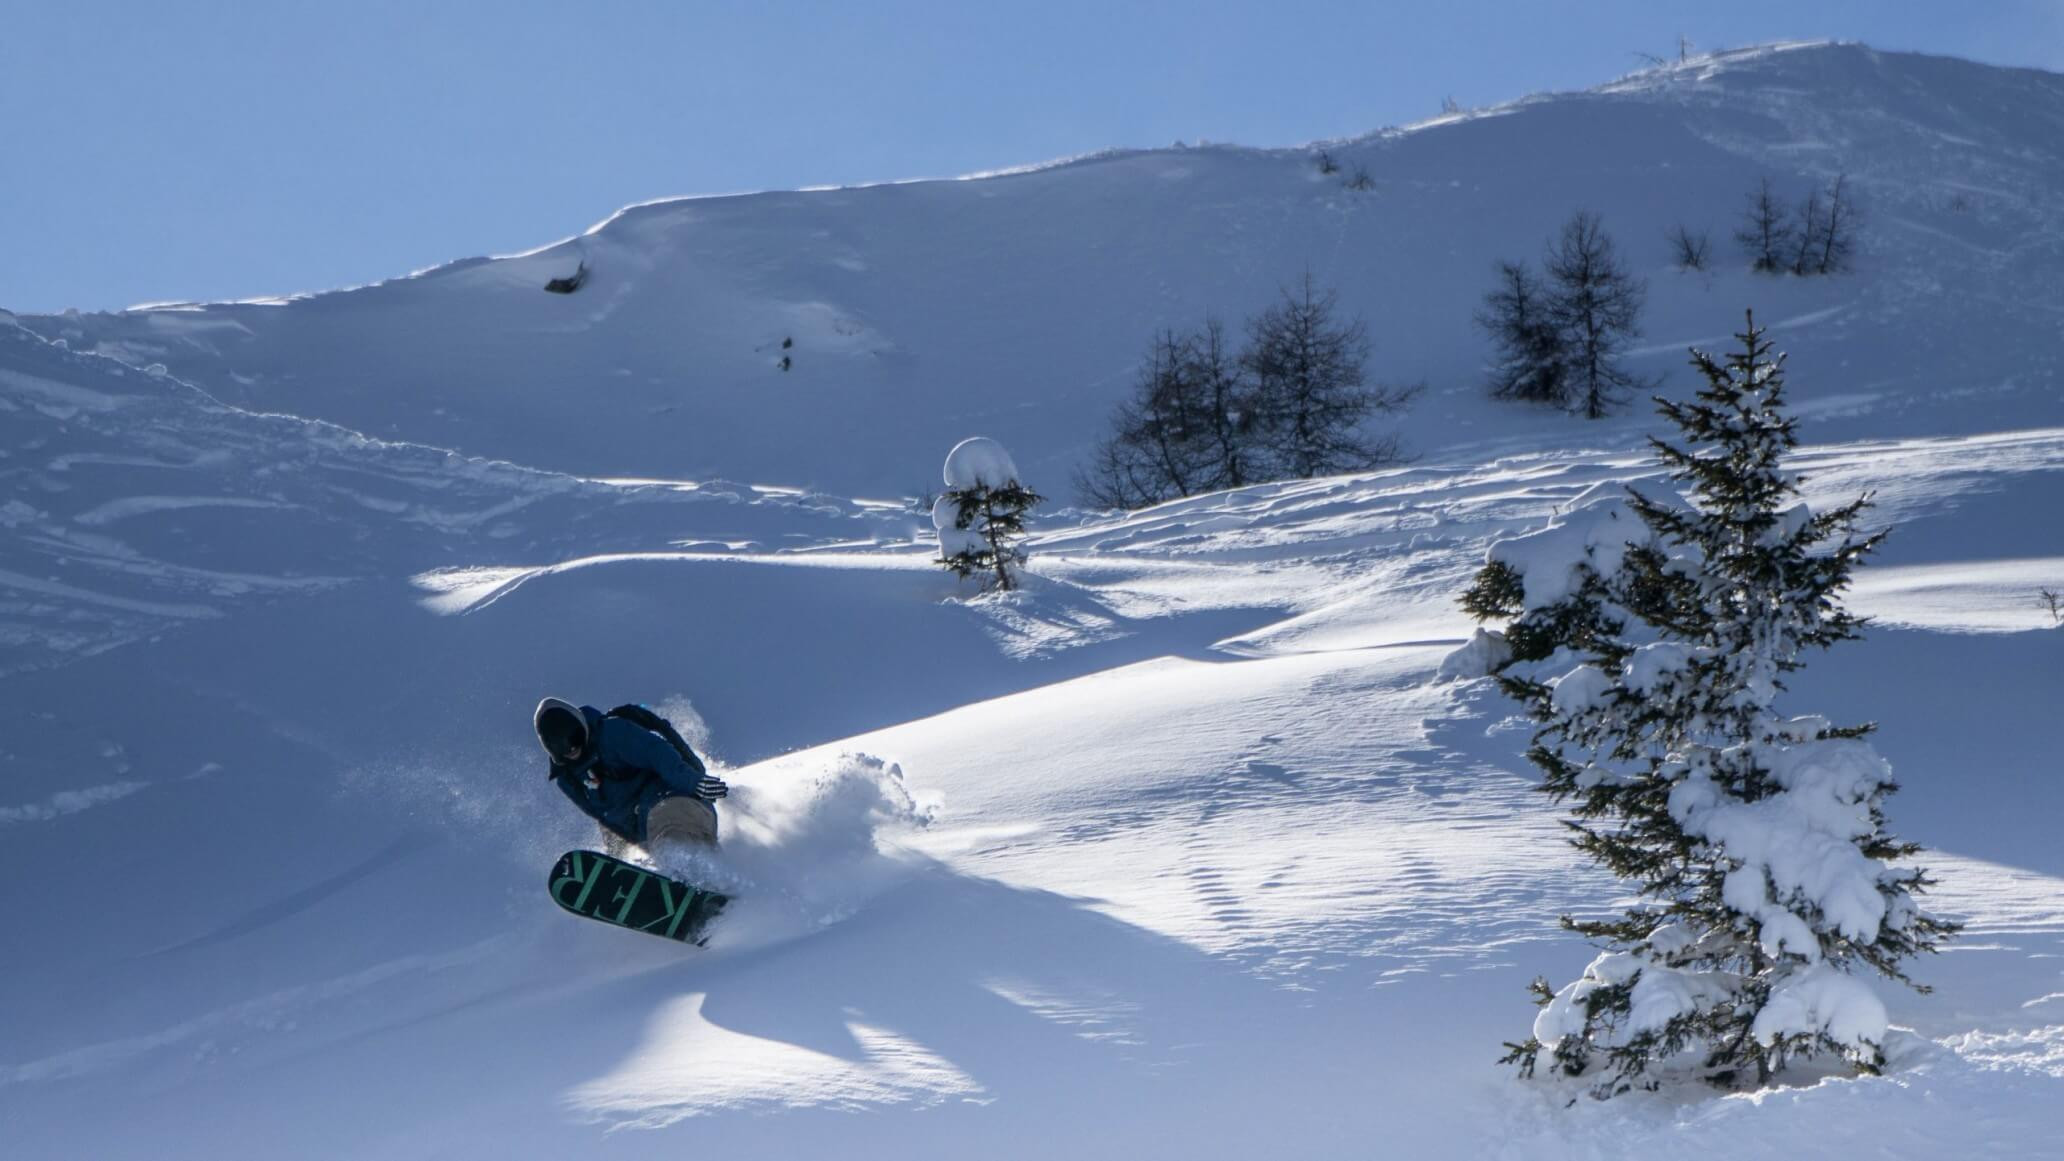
{"points": [[753, 337]]}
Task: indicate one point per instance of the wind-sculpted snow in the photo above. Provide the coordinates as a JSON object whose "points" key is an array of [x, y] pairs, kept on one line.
{"points": [[137, 505]]}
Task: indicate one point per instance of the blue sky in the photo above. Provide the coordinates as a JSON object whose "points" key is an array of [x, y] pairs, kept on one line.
{"points": [[205, 150]]}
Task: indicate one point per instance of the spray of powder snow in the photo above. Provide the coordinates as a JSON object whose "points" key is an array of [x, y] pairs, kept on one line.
{"points": [[800, 849], [492, 798], [688, 722], [802, 853]]}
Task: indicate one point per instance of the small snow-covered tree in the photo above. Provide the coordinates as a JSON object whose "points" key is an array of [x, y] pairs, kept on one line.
{"points": [[980, 517], [1756, 844]]}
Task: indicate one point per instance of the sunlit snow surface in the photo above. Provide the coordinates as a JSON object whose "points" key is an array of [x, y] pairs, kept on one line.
{"points": [[1181, 850]]}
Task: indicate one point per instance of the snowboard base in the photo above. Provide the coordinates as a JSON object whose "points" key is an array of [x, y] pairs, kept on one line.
{"points": [[597, 886]]}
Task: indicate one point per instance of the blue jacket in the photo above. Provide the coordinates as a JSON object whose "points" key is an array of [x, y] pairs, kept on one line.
{"points": [[624, 771]]}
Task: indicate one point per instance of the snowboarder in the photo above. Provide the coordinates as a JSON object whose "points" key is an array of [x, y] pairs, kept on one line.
{"points": [[630, 771]]}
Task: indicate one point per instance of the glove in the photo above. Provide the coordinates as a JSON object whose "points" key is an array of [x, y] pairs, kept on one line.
{"points": [[709, 788]]}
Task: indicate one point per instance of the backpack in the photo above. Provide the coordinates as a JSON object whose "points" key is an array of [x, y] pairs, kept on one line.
{"points": [[640, 716]]}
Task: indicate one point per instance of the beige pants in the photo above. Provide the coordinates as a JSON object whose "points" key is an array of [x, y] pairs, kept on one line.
{"points": [[676, 820], [679, 820]]}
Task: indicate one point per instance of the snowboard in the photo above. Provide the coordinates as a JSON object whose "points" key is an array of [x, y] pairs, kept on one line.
{"points": [[597, 886]]}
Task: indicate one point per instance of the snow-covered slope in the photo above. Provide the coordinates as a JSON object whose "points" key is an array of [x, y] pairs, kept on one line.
{"points": [[1017, 305], [1273, 856], [136, 503], [1182, 850]]}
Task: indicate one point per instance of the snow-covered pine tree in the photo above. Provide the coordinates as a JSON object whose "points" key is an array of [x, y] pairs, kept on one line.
{"points": [[1756, 843], [1564, 588], [980, 517]]}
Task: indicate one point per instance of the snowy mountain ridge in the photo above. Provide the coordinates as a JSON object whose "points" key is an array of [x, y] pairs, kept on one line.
{"points": [[1019, 305]]}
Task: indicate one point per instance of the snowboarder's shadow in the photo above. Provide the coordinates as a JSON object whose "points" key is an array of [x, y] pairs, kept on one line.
{"points": [[1013, 988]]}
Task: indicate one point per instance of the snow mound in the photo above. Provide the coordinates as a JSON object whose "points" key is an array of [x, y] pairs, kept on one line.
{"points": [[979, 462], [1823, 1000], [953, 539], [1480, 656]]}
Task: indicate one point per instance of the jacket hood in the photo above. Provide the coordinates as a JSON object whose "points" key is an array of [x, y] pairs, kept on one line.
{"points": [[555, 707]]}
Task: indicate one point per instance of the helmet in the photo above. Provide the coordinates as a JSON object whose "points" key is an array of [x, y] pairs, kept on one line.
{"points": [[561, 728]]}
